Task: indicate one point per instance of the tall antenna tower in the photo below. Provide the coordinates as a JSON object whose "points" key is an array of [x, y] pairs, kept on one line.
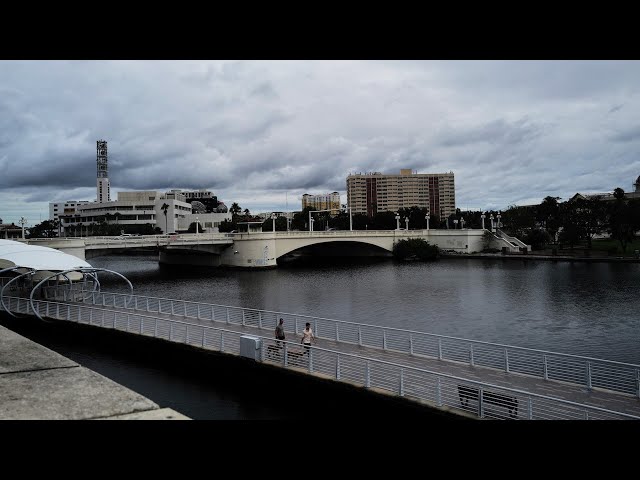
{"points": [[103, 189]]}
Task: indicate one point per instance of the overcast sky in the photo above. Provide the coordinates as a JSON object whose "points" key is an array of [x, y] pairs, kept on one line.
{"points": [[262, 133]]}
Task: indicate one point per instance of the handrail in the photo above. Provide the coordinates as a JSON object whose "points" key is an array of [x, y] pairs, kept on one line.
{"points": [[404, 380]]}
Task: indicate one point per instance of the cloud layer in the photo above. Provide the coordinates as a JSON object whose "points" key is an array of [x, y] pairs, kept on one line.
{"points": [[262, 133]]}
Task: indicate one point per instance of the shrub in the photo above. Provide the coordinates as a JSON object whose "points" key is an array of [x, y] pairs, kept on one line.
{"points": [[415, 248]]}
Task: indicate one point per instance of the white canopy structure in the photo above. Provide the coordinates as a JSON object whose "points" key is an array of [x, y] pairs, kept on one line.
{"points": [[18, 254], [42, 264]]}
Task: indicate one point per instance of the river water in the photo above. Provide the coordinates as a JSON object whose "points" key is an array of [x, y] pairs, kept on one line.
{"points": [[590, 309]]}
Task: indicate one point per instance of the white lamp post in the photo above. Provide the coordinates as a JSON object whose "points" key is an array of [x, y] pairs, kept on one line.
{"points": [[482, 217], [311, 225], [397, 221], [491, 218], [461, 222], [406, 221], [498, 221], [22, 222], [273, 219], [427, 218]]}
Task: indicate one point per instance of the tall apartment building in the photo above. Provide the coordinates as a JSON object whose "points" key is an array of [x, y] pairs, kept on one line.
{"points": [[329, 201], [370, 193]]}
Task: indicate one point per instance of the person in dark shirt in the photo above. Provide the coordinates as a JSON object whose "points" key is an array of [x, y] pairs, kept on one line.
{"points": [[280, 332]]}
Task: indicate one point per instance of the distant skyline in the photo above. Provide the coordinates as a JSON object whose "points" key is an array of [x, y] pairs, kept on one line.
{"points": [[263, 133]]}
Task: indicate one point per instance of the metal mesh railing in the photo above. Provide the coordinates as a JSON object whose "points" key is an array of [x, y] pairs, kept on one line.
{"points": [[590, 372], [480, 399]]}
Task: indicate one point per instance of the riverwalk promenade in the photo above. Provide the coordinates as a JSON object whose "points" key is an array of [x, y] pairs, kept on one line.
{"points": [[39, 384]]}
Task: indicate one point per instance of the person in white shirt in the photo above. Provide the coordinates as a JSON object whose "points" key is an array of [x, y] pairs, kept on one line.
{"points": [[307, 337]]}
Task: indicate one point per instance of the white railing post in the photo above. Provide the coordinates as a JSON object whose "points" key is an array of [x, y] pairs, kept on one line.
{"points": [[439, 349], [586, 414], [228, 321], [47, 312], [310, 360], [384, 339], [222, 340], [481, 402], [103, 301], [102, 319], [438, 392], [198, 306], [316, 328], [367, 376], [213, 313], [338, 367], [589, 375], [260, 319], [359, 336], [147, 302], [545, 369], [337, 333], [68, 312], [285, 358], [155, 329], [243, 317], [401, 387], [186, 334], [204, 330], [471, 360], [529, 409], [411, 344], [141, 324], [506, 360], [58, 310], [170, 331], [172, 309], [128, 322], [90, 314]]}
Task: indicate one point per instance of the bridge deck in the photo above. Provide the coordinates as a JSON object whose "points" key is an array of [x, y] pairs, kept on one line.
{"points": [[609, 400]]}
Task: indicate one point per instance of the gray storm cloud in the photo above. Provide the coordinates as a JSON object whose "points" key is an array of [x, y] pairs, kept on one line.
{"points": [[257, 131]]}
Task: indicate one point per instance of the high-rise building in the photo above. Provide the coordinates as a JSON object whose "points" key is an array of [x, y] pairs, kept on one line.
{"points": [[329, 201], [103, 190], [370, 193]]}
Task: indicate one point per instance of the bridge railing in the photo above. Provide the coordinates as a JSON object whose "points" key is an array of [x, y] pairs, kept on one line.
{"points": [[481, 399], [589, 372]]}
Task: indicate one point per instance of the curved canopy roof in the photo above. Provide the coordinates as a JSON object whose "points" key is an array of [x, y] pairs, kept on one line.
{"points": [[18, 254]]}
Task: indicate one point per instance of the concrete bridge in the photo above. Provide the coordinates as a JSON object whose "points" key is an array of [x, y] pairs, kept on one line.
{"points": [[263, 249]]}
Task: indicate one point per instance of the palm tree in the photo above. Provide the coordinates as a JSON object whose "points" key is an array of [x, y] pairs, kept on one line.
{"points": [[164, 210], [235, 209]]}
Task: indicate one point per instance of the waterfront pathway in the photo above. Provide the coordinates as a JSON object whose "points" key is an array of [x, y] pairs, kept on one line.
{"points": [[39, 384]]}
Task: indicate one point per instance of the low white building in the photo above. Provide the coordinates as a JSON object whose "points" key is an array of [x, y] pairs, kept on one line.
{"points": [[170, 212]]}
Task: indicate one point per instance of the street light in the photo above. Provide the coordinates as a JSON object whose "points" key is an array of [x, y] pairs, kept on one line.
{"points": [[311, 225], [491, 218], [461, 222], [397, 221], [406, 220], [22, 222], [482, 217], [273, 219], [498, 216], [427, 219]]}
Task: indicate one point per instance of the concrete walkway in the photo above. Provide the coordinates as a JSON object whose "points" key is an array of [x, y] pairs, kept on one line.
{"points": [[39, 384]]}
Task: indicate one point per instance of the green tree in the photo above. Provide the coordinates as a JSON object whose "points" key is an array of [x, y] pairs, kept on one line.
{"points": [[235, 209], [415, 248], [192, 228], [164, 208], [46, 229]]}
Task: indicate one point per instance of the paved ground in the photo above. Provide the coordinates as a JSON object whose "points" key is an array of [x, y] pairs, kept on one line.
{"points": [[39, 384]]}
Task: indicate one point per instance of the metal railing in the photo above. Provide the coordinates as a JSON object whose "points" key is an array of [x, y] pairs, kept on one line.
{"points": [[432, 388], [580, 370]]}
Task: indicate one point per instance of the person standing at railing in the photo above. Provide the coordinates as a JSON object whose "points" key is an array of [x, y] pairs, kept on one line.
{"points": [[280, 332], [307, 337]]}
